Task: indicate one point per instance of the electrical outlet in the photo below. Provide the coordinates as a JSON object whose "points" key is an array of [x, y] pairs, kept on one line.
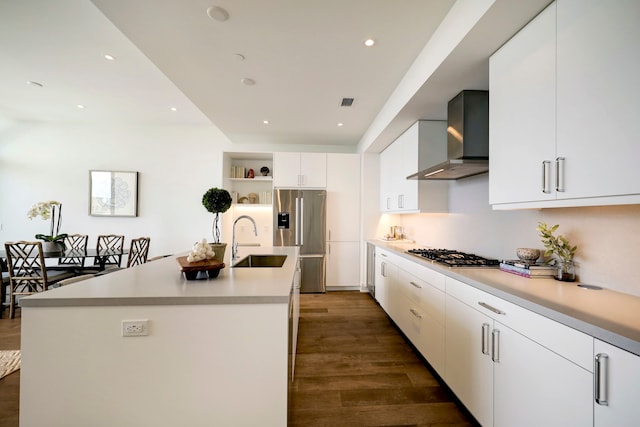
{"points": [[135, 328]]}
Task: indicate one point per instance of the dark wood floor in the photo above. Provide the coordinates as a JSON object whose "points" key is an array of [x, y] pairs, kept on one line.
{"points": [[9, 385], [353, 369]]}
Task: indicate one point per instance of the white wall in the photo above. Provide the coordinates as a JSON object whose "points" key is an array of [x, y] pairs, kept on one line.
{"points": [[608, 237], [176, 165]]}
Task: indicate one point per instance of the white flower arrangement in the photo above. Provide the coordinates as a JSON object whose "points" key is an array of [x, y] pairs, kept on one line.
{"points": [[201, 251], [49, 210]]}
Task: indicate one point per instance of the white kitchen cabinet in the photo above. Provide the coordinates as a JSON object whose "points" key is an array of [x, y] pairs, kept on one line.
{"points": [[343, 265], [300, 170], [510, 366], [343, 197], [423, 144], [419, 308], [468, 364], [598, 127], [522, 114], [384, 274], [562, 121], [343, 221], [618, 379]]}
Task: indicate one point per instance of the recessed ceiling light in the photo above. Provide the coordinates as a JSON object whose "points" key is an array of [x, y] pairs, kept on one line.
{"points": [[174, 109], [32, 83], [266, 122], [369, 42], [217, 13], [340, 124], [247, 81], [109, 57], [80, 106]]}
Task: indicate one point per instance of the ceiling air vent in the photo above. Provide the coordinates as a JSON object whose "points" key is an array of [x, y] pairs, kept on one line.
{"points": [[346, 102]]}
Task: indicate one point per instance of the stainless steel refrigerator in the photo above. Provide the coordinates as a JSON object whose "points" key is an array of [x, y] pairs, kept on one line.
{"points": [[300, 220]]}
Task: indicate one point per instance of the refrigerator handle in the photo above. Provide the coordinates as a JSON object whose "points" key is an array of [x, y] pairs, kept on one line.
{"points": [[301, 229], [297, 231]]}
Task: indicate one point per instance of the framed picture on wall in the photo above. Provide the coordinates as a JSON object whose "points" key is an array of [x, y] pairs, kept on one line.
{"points": [[113, 193]]}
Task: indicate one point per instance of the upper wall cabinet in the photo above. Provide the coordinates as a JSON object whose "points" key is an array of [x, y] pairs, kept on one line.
{"points": [[300, 170], [424, 144], [522, 114], [562, 121]]}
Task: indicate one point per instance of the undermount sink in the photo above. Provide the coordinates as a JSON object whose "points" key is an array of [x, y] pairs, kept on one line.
{"points": [[254, 261]]}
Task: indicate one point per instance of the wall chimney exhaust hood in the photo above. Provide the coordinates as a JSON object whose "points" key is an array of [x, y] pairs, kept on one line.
{"points": [[467, 139]]}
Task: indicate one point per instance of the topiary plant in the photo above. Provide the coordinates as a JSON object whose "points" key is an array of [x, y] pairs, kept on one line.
{"points": [[216, 201]]}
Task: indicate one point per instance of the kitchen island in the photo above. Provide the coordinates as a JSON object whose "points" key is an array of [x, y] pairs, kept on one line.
{"points": [[216, 351]]}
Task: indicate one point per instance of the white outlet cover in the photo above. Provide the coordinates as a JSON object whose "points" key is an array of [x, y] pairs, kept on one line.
{"points": [[135, 328]]}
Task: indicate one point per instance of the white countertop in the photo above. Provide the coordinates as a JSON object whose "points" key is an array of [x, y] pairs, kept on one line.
{"points": [[160, 282], [608, 315]]}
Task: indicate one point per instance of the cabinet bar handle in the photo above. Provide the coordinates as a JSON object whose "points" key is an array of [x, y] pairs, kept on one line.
{"points": [[415, 313], [416, 285], [488, 307], [388, 202], [383, 268], [560, 174], [384, 255], [600, 379], [546, 182], [485, 338], [495, 345], [401, 201]]}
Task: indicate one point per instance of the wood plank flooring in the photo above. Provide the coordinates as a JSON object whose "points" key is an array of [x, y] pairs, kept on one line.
{"points": [[9, 385], [354, 368]]}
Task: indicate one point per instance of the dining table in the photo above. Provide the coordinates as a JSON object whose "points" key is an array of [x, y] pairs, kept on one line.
{"points": [[100, 256]]}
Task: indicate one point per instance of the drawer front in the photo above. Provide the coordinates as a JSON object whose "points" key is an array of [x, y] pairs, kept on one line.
{"points": [[423, 295], [563, 340]]}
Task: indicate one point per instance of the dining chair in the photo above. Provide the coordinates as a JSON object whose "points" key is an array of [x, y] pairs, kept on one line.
{"points": [[78, 243], [27, 271], [139, 251], [110, 242]]}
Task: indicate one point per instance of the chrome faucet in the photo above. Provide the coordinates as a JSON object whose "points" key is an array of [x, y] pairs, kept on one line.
{"points": [[234, 244]]}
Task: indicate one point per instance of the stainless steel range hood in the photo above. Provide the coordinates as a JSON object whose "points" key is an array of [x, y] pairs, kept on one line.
{"points": [[467, 139]]}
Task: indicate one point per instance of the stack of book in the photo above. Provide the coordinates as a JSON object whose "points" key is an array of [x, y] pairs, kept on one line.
{"points": [[532, 271], [238, 172]]}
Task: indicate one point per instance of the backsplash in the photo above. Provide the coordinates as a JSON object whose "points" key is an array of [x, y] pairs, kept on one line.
{"points": [[608, 237]]}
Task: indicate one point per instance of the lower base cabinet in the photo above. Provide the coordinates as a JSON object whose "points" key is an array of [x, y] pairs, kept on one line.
{"points": [[503, 375], [618, 386], [343, 265], [508, 365]]}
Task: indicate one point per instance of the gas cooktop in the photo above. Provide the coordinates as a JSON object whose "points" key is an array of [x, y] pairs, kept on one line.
{"points": [[452, 258]]}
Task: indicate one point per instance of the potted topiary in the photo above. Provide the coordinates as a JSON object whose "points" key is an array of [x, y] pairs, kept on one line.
{"points": [[217, 201], [559, 246]]}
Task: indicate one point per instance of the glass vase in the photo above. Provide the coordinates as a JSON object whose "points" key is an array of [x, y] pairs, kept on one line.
{"points": [[566, 271]]}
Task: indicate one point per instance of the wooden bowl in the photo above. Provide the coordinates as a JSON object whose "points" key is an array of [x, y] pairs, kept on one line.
{"points": [[528, 255]]}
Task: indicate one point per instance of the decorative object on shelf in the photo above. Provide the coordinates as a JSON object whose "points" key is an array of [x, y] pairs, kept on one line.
{"points": [[251, 174], [113, 193], [528, 255], [54, 241], [253, 198], [561, 248], [217, 201], [264, 171]]}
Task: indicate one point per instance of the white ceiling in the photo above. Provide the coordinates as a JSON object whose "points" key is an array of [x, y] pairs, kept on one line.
{"points": [[304, 56]]}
